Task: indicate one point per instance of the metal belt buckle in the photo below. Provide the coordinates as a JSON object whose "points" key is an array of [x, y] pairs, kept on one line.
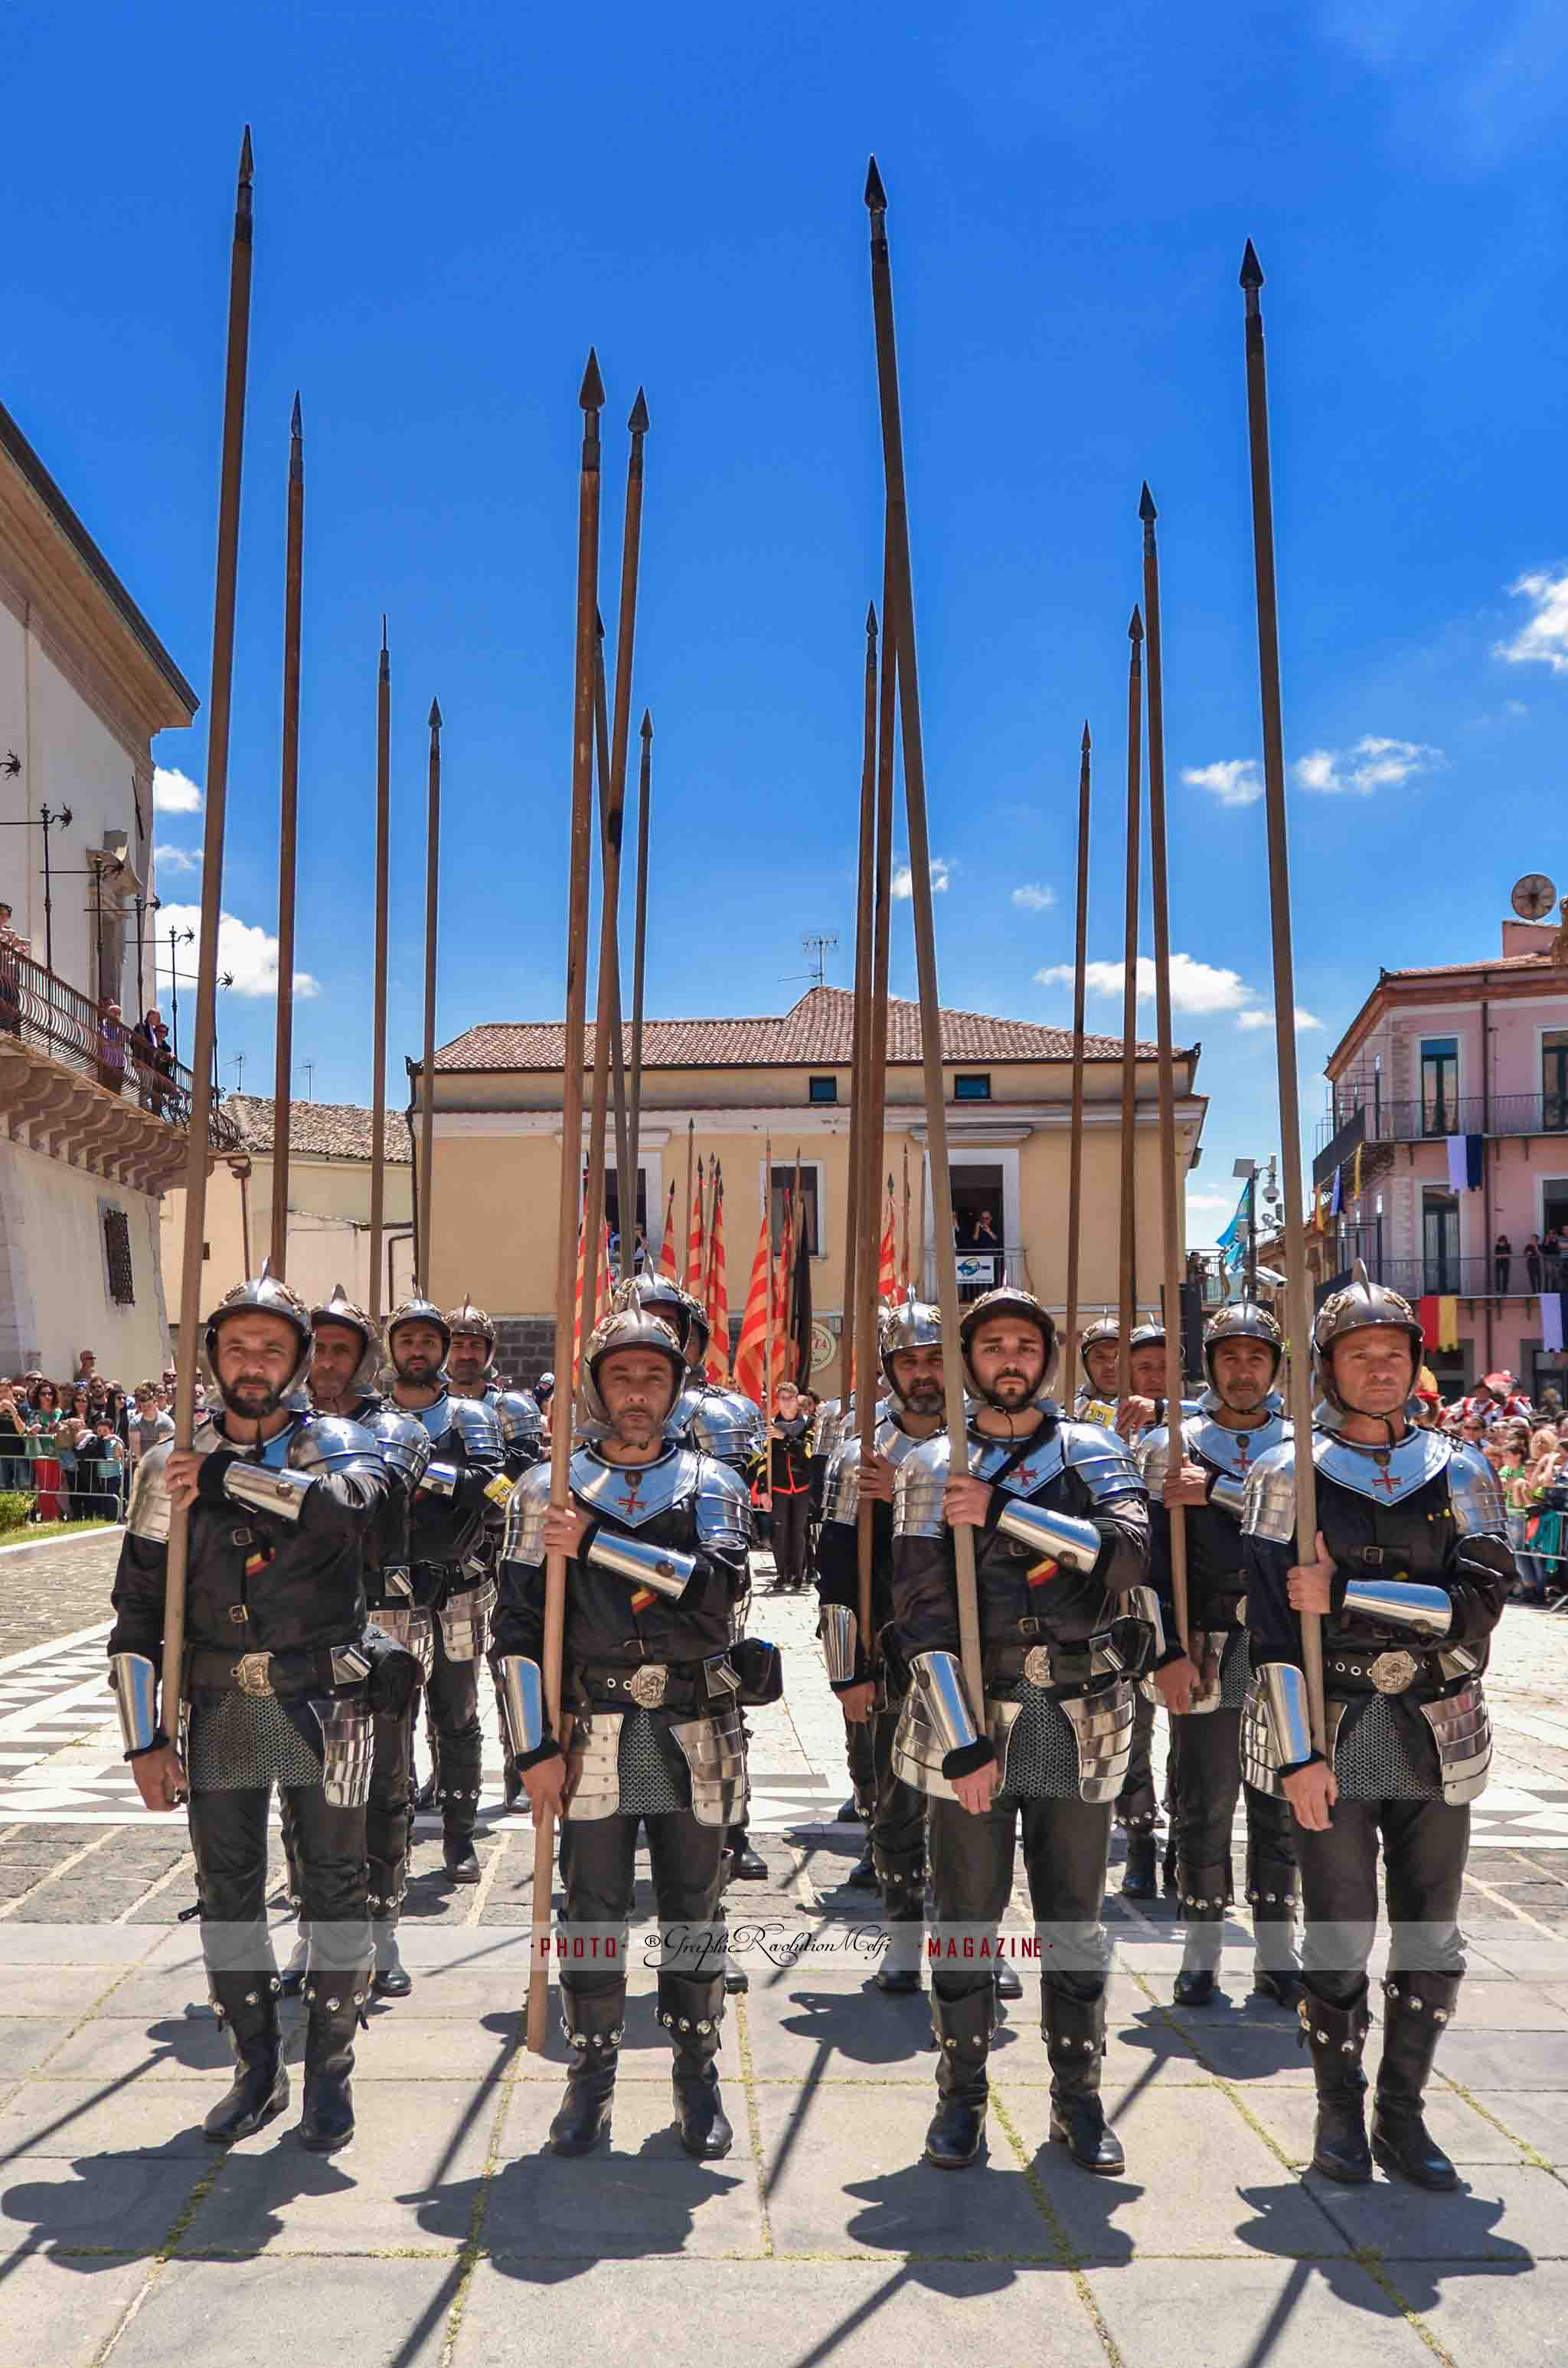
{"points": [[1392, 1672], [647, 1685], [252, 1674], [1037, 1664]]}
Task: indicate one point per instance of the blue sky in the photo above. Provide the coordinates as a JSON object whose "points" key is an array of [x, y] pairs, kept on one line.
{"points": [[451, 204]]}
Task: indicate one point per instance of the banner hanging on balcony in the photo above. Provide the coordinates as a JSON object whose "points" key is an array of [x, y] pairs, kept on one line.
{"points": [[1464, 1163]]}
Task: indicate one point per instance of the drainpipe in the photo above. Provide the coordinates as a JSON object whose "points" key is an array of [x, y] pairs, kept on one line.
{"points": [[1486, 1167]]}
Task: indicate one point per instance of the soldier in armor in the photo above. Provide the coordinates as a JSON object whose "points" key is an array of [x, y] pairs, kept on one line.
{"points": [[657, 1536], [458, 1505], [1137, 1809], [471, 1357], [524, 1439], [1062, 1542], [867, 1677], [277, 1657], [1098, 1351], [1410, 1573], [1239, 1422]]}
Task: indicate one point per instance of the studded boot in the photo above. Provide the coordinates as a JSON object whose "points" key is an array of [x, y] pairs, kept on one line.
{"points": [[292, 1978], [594, 2023], [335, 2003], [1075, 2042], [963, 2028], [692, 2011], [1201, 1892], [1336, 2036], [392, 1979], [900, 1876], [1138, 1874], [247, 2007], [1418, 2006], [1271, 1895]]}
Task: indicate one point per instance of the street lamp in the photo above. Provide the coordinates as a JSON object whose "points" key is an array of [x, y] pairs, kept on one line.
{"points": [[176, 937], [58, 820]]}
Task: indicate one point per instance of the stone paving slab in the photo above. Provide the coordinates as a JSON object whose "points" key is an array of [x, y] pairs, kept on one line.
{"points": [[1288, 2115], [1508, 2213], [63, 2308], [641, 2194], [1538, 2117], [380, 2314], [1184, 2315], [156, 2120], [96, 2203], [1512, 2313]]}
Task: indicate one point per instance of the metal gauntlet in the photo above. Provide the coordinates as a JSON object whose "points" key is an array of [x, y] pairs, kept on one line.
{"points": [[939, 1677], [1230, 1494], [641, 1564], [839, 1631], [1075, 1544], [281, 1493], [1403, 1603], [1285, 1697], [522, 1702], [133, 1682], [442, 1479]]}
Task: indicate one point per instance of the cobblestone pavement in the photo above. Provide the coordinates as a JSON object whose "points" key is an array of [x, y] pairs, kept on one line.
{"points": [[446, 2235]]}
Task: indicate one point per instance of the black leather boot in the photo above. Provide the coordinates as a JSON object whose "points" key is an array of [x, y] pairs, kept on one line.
{"points": [[692, 2011], [862, 1875], [1138, 1874], [392, 1979], [900, 1876], [335, 2001], [1075, 2042], [1416, 2011], [1201, 1892], [1337, 2035], [593, 2021], [963, 2028], [1272, 1882], [291, 1981], [248, 2005]]}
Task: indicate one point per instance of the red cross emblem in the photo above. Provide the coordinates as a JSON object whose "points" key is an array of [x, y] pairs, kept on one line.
{"points": [[629, 1502], [1384, 1479]]}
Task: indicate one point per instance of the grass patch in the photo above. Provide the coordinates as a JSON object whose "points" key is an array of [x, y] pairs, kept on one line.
{"points": [[27, 1533]]}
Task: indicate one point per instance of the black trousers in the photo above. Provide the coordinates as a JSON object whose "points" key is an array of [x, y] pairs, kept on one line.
{"points": [[389, 1817], [1066, 1846], [599, 1859], [860, 1753], [1208, 1756], [1426, 1844], [1135, 1803], [228, 1834], [789, 1518], [451, 1691], [898, 1819]]}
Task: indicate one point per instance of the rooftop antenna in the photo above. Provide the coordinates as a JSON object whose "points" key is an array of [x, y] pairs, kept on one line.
{"points": [[310, 1069], [816, 945]]}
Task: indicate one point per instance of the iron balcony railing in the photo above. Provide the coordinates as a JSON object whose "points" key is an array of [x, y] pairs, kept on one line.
{"points": [[1429, 1119], [982, 1270], [1462, 1278], [57, 1018]]}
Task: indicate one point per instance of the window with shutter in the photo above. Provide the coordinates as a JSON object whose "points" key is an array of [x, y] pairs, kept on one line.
{"points": [[116, 1246]]}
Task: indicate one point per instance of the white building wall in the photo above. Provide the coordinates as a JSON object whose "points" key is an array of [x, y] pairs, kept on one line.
{"points": [[55, 1292]]}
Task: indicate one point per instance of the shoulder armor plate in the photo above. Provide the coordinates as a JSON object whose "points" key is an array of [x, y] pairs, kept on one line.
{"points": [[330, 1443], [1236, 1452], [917, 1492], [526, 1510], [841, 1490], [724, 1424], [1153, 1456], [630, 1494], [475, 1424], [724, 1507], [1387, 1476], [1475, 1499], [1101, 1458], [149, 1513], [1270, 1509], [1043, 1462]]}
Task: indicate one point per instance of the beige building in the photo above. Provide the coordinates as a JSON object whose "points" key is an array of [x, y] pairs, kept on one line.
{"points": [[738, 1083], [329, 1205]]}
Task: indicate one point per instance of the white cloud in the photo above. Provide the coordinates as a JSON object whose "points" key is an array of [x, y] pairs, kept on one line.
{"points": [[1234, 781], [175, 793], [244, 947], [176, 859], [1259, 1016], [1195, 986], [1542, 640], [904, 878], [1031, 898], [1374, 762]]}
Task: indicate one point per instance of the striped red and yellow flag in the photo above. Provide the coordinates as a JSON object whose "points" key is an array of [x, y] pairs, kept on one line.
{"points": [[718, 1293], [667, 1247], [783, 1276], [577, 1317], [887, 1260], [752, 1347], [695, 1268]]}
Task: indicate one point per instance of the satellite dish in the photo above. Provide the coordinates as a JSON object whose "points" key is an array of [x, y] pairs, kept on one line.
{"points": [[1533, 896]]}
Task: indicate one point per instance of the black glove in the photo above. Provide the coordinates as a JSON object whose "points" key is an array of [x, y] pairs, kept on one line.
{"points": [[395, 1672]]}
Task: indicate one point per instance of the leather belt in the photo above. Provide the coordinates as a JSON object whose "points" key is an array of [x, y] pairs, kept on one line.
{"points": [[652, 1685], [1389, 1673], [259, 1674], [1050, 1665]]}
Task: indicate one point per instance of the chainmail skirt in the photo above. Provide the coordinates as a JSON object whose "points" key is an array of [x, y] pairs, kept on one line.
{"points": [[1042, 1748], [1381, 1756], [242, 1743], [654, 1778], [1235, 1670]]}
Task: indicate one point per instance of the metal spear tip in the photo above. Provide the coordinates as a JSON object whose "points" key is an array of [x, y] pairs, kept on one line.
{"points": [[383, 633], [876, 196], [1135, 625], [1252, 271], [638, 423], [1146, 509], [646, 726], [871, 616], [1084, 743], [296, 423], [247, 161], [591, 394], [435, 715], [600, 622]]}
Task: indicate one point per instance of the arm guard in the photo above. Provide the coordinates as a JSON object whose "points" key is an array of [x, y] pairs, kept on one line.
{"points": [[939, 1677], [1403, 1603], [1285, 1701], [133, 1682], [148, 1515], [1073, 1543], [723, 1511], [839, 1631], [442, 1479], [522, 1703], [260, 1490], [526, 1510], [1151, 1456], [641, 1562], [1229, 1492]]}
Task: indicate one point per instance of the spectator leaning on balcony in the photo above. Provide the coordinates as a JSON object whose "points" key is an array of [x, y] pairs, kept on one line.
{"points": [[11, 945], [113, 1039], [1551, 1258], [1532, 1262], [1502, 1261]]}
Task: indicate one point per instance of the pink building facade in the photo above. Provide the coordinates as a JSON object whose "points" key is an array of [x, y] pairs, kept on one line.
{"points": [[1476, 1050]]}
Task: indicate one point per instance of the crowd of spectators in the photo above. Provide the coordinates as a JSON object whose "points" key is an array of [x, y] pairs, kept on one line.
{"points": [[70, 1447], [1527, 1446]]}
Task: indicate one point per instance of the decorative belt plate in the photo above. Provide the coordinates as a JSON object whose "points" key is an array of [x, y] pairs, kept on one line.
{"points": [[1392, 1672], [1037, 1664], [647, 1685], [253, 1673]]}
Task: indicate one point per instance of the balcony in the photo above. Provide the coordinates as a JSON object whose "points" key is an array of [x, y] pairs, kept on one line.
{"points": [[981, 1271], [1451, 1277], [1349, 1122], [71, 1089]]}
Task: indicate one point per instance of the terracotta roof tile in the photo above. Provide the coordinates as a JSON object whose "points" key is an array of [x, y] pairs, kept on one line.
{"points": [[816, 1030], [329, 1130]]}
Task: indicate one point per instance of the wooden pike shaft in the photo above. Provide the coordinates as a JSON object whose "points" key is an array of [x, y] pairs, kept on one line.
{"points": [[211, 907], [582, 841], [908, 1269], [1298, 1287], [862, 1020], [615, 812], [287, 819], [686, 1210], [872, 1118], [1127, 1292], [899, 632], [639, 964], [378, 1031], [432, 899], [1075, 1140], [606, 1023], [1170, 1203]]}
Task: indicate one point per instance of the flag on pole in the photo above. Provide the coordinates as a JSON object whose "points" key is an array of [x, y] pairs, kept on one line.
{"points": [[783, 1276], [1355, 1173], [667, 1247], [718, 1287], [696, 1265], [801, 1318], [887, 1267], [577, 1318], [752, 1347], [605, 1280]]}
